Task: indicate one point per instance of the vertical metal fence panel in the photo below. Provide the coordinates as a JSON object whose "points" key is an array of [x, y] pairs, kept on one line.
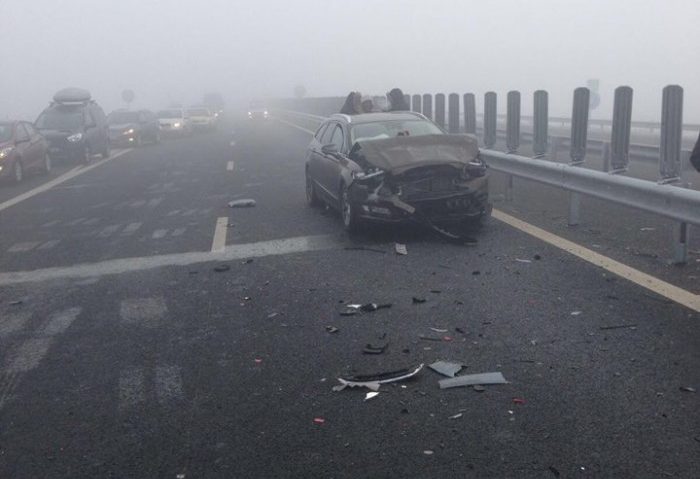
{"points": [[470, 113], [671, 133], [428, 105], [513, 121], [621, 128], [540, 123], [453, 113], [579, 125], [490, 100], [417, 104], [440, 109]]}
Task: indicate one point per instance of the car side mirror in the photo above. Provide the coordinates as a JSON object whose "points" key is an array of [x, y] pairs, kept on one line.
{"points": [[330, 149]]}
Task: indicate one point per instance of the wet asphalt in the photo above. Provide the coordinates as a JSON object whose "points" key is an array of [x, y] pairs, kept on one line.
{"points": [[183, 371]]}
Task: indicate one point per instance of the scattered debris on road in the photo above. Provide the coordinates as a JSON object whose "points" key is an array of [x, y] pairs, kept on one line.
{"points": [[245, 203], [370, 395], [687, 389], [537, 257], [417, 300], [472, 380], [520, 260], [554, 471], [400, 249], [518, 401], [373, 381], [456, 416], [647, 228], [16, 303], [248, 261], [576, 313], [222, 268], [438, 330], [479, 388], [428, 452], [371, 349], [446, 368], [319, 420], [369, 307], [332, 329], [619, 326]]}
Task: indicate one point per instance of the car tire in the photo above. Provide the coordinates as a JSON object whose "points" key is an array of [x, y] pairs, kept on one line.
{"points": [[351, 222], [312, 198], [17, 172], [46, 167], [107, 152]]}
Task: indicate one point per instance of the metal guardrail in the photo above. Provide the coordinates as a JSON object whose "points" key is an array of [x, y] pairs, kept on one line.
{"points": [[663, 198]]}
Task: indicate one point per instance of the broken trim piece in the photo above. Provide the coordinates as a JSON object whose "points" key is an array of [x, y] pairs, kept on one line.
{"points": [[373, 381]]}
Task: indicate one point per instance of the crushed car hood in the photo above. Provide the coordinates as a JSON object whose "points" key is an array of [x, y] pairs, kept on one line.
{"points": [[402, 153]]}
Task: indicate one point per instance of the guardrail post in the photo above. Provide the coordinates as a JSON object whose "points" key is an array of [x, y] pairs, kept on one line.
{"points": [[470, 113], [513, 122], [417, 104], [579, 137], [540, 123], [554, 148], [407, 100], [490, 99], [440, 109], [670, 158], [453, 113], [619, 149], [428, 105], [671, 134], [606, 157]]}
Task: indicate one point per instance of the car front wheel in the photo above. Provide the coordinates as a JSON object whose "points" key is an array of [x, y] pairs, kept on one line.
{"points": [[17, 172], [46, 167], [351, 222]]}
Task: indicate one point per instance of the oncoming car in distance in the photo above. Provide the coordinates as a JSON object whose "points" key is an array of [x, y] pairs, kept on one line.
{"points": [[202, 118], [396, 167], [174, 121], [22, 148], [258, 111], [128, 127]]}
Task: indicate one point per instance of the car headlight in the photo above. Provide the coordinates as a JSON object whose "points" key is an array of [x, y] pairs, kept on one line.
{"points": [[473, 169], [75, 137], [265, 113], [130, 131], [176, 125], [5, 152]]}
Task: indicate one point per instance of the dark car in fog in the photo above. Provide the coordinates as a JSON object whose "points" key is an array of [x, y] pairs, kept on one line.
{"points": [[75, 126], [396, 167], [22, 149], [258, 111], [133, 128]]}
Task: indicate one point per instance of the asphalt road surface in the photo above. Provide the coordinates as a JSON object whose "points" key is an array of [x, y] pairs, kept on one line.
{"points": [[124, 353]]}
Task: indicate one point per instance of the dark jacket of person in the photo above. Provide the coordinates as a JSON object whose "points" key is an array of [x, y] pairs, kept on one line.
{"points": [[695, 155], [397, 102], [351, 102]]}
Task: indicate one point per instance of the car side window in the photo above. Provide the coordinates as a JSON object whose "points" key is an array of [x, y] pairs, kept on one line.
{"points": [[89, 120], [338, 138], [326, 138], [20, 133]]}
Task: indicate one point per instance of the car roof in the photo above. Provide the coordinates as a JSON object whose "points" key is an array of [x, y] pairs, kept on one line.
{"points": [[378, 117]]}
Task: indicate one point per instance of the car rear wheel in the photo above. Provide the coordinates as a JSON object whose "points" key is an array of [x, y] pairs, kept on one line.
{"points": [[312, 198], [46, 167], [351, 222], [18, 172]]}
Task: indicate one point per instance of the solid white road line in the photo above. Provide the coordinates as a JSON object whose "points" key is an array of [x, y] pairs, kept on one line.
{"points": [[667, 290], [305, 130], [77, 171], [143, 311], [218, 244], [23, 247], [229, 166], [298, 244]]}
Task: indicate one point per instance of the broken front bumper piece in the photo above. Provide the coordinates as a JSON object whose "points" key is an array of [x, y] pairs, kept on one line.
{"points": [[375, 202], [373, 381]]}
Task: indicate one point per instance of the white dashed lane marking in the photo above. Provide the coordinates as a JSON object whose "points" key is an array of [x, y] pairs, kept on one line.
{"points": [[178, 231], [154, 202], [158, 234], [108, 231], [229, 166], [173, 213], [218, 244], [131, 229], [137, 203], [48, 245], [23, 247], [50, 224]]}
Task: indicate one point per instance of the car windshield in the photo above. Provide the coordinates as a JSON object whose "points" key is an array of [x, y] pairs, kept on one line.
{"points": [[170, 114], [5, 131], [198, 112], [117, 117], [61, 118], [389, 129]]}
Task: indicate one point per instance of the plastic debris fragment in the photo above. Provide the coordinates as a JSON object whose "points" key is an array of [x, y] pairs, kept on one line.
{"points": [[373, 381], [472, 380], [370, 395], [370, 349], [400, 249], [246, 203], [446, 368], [221, 268]]}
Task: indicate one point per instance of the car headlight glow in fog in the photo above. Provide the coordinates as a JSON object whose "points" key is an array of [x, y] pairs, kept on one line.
{"points": [[5, 152], [176, 125], [75, 138], [130, 131]]}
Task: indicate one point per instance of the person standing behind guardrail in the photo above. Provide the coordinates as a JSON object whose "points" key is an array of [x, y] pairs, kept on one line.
{"points": [[695, 155]]}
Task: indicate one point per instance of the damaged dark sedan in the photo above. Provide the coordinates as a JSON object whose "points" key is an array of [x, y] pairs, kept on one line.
{"points": [[396, 167]]}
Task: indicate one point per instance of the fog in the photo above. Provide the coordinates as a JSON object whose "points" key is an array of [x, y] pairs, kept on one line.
{"points": [[174, 51]]}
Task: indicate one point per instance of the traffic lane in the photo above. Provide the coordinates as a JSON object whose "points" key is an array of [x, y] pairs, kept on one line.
{"points": [[189, 371], [9, 190], [157, 199], [269, 168], [636, 238]]}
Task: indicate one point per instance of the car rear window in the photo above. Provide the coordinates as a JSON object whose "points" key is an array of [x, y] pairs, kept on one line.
{"points": [[60, 118], [170, 114]]}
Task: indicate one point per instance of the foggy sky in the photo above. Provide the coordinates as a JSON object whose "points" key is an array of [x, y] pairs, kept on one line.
{"points": [[169, 50]]}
